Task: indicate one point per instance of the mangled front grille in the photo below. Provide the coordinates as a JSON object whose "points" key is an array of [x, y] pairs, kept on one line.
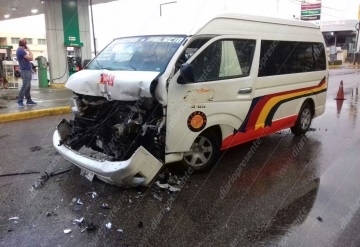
{"points": [[116, 128]]}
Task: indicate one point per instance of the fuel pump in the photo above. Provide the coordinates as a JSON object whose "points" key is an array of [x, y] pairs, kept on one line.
{"points": [[74, 59]]}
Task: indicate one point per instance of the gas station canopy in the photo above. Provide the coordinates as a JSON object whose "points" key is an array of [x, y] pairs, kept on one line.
{"points": [[11, 9]]}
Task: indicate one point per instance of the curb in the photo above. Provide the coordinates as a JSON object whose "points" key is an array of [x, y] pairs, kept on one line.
{"points": [[59, 85], [4, 118]]}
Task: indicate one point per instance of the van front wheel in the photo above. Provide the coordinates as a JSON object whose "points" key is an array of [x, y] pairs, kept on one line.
{"points": [[204, 152], [303, 121]]}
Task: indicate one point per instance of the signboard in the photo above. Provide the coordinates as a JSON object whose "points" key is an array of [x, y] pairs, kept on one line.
{"points": [[6, 46], [310, 11], [71, 23]]}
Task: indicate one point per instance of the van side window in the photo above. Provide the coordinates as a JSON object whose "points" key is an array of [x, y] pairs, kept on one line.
{"points": [[285, 57], [224, 59], [193, 47]]}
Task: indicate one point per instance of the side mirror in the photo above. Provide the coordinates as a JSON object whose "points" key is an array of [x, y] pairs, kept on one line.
{"points": [[186, 74], [85, 62]]}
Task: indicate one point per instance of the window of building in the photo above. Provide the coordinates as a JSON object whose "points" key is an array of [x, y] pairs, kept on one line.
{"points": [[284, 57], [15, 40], [41, 42], [28, 41], [224, 59]]}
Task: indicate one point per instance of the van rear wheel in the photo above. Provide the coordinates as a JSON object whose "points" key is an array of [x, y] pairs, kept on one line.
{"points": [[303, 121], [204, 152]]}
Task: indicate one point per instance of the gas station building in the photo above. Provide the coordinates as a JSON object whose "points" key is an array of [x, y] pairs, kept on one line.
{"points": [[68, 37]]}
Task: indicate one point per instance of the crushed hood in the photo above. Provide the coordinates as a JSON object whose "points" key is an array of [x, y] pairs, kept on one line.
{"points": [[121, 85]]}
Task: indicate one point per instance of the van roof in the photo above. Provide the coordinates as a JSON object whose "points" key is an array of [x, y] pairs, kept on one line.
{"points": [[265, 19], [189, 27], [235, 23]]}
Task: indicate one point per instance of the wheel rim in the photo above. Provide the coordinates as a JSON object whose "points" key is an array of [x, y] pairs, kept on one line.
{"points": [[200, 152], [305, 119]]}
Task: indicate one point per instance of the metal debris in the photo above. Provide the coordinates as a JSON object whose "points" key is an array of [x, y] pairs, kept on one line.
{"points": [[162, 186], [78, 202], [14, 218], [130, 201], [120, 230], [167, 187], [157, 197], [167, 209], [67, 231], [108, 225], [104, 205], [93, 194], [173, 189], [79, 221]]}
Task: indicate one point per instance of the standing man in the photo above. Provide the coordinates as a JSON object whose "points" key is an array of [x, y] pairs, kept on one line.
{"points": [[24, 56]]}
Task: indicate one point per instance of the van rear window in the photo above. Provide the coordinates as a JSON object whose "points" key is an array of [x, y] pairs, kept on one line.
{"points": [[286, 57]]}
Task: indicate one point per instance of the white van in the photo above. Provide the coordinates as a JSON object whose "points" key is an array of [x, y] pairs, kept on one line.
{"points": [[147, 101]]}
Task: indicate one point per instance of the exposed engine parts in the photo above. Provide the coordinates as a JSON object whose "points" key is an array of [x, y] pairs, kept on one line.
{"points": [[115, 128]]}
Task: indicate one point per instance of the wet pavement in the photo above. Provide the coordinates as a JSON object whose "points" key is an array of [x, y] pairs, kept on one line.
{"points": [[293, 191], [46, 97]]}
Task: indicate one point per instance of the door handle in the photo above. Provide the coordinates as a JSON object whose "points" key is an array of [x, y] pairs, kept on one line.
{"points": [[246, 90]]}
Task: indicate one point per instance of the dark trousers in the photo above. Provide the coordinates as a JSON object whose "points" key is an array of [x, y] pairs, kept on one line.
{"points": [[26, 85]]}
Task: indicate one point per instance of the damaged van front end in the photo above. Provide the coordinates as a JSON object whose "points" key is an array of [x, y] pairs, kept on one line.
{"points": [[118, 129]]}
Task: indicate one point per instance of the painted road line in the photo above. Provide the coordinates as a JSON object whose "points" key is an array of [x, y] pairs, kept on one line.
{"points": [[4, 118]]}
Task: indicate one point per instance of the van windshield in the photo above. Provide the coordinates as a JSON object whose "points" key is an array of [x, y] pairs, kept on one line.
{"points": [[145, 53]]}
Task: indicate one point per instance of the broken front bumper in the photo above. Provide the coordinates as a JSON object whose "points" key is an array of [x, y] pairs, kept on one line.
{"points": [[140, 169]]}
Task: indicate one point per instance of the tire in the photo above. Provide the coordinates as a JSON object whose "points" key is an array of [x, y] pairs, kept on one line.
{"points": [[204, 152], [303, 121]]}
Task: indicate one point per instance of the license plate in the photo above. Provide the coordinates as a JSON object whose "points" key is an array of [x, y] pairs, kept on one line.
{"points": [[89, 175]]}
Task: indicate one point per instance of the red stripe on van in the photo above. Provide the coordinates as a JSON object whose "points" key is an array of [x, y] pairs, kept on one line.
{"points": [[252, 134], [261, 104]]}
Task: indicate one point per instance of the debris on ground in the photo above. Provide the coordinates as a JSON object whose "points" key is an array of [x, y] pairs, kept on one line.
{"points": [[157, 197], [67, 231], [167, 187], [93, 194], [48, 214], [167, 209], [79, 221], [78, 202], [89, 227], [108, 225], [120, 230], [14, 218], [73, 200], [319, 219], [141, 224], [42, 180], [105, 206]]}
